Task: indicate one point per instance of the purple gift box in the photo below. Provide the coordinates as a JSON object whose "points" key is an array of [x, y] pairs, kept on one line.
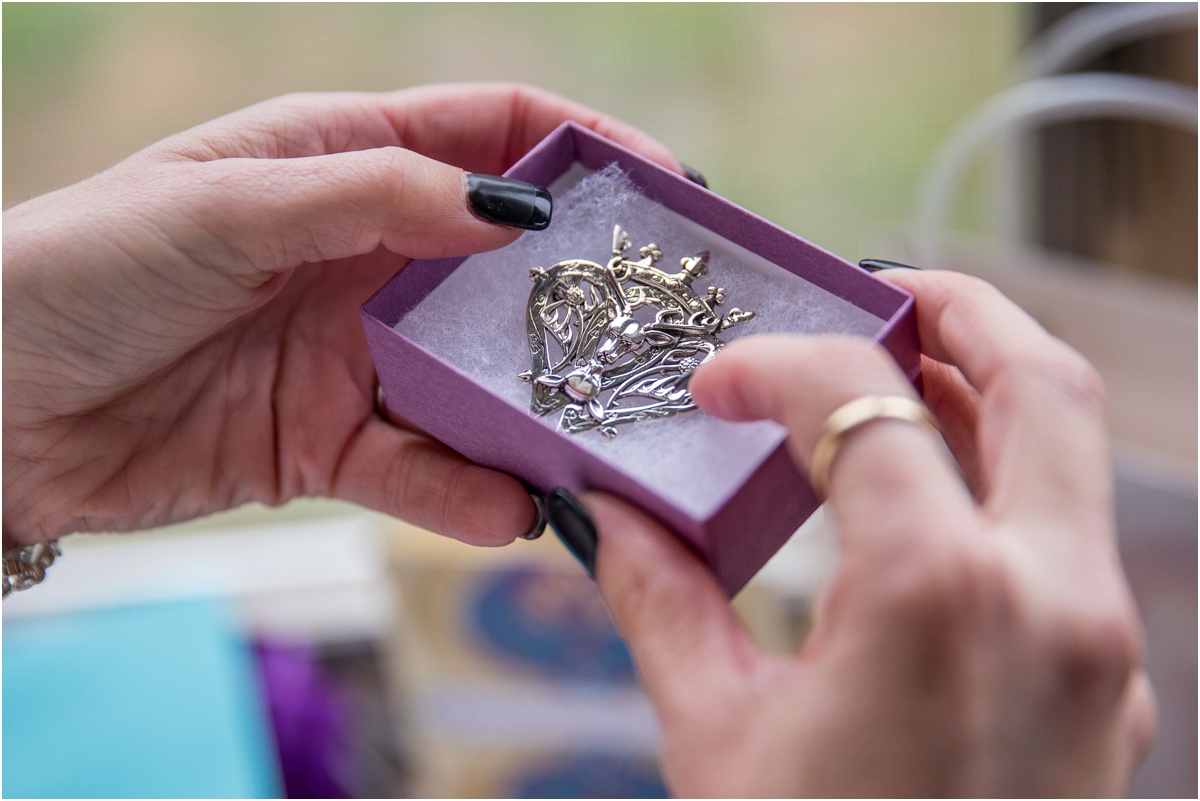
{"points": [[730, 490]]}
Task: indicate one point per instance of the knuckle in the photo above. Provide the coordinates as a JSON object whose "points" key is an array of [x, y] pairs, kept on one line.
{"points": [[1096, 647], [1060, 374], [292, 100], [519, 92], [974, 287], [969, 294], [628, 600], [387, 168], [397, 478], [862, 354], [410, 181], [407, 479], [1077, 380], [395, 160], [964, 301], [937, 588], [859, 363]]}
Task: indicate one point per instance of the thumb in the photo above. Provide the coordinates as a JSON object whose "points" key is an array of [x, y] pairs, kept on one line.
{"points": [[688, 645], [279, 213], [405, 474]]}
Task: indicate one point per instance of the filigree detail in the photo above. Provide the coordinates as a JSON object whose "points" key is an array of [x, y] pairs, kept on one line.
{"points": [[617, 344]]}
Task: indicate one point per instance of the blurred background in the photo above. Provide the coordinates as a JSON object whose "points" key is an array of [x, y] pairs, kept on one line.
{"points": [[319, 650]]}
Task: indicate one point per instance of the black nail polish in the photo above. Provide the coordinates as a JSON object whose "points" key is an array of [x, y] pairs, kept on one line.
{"points": [[574, 527], [539, 521], [875, 265], [694, 175], [508, 202]]}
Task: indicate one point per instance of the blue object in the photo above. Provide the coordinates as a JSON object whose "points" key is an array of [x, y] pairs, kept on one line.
{"points": [[592, 776], [554, 626], [139, 701]]}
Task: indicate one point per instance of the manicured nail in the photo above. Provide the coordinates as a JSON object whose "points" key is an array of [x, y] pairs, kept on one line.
{"points": [[574, 527], [694, 175], [539, 521], [508, 202], [875, 265]]}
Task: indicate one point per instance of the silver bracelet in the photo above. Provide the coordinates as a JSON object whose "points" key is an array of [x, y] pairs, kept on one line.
{"points": [[25, 567]]}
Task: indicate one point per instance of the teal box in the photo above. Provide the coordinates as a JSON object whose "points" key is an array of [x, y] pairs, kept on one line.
{"points": [[135, 702]]}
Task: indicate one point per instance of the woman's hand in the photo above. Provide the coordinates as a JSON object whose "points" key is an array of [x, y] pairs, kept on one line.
{"points": [[181, 331], [976, 640]]}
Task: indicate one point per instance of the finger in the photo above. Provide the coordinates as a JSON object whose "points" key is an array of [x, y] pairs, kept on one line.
{"points": [[955, 403], [1121, 739], [891, 480], [688, 645], [1140, 718], [277, 214], [492, 125], [479, 127], [1043, 439], [405, 474]]}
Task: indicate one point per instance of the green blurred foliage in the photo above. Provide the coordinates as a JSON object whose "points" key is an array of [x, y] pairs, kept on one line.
{"points": [[820, 117]]}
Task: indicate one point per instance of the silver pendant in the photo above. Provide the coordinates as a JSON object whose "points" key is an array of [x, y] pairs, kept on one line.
{"points": [[617, 344]]}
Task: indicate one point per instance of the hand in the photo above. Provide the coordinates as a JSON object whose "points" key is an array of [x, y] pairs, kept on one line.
{"points": [[975, 641], [181, 332]]}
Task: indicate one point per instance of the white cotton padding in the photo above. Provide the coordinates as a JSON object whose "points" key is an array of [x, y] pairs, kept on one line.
{"points": [[475, 320]]}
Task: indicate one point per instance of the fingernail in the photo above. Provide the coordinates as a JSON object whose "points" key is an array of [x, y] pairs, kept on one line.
{"points": [[875, 265], [694, 175], [508, 202], [574, 527], [539, 521]]}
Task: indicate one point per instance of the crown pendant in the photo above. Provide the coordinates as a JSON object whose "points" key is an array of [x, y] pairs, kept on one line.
{"points": [[617, 344]]}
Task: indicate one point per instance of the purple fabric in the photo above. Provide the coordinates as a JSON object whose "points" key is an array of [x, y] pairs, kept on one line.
{"points": [[754, 521], [309, 719]]}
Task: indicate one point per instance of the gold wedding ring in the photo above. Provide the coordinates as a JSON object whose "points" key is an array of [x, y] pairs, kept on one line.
{"points": [[852, 415]]}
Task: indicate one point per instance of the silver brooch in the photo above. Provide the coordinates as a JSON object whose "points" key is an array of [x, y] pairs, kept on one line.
{"points": [[617, 344]]}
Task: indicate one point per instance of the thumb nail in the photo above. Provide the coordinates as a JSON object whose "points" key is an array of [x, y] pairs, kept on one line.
{"points": [[509, 202], [694, 175]]}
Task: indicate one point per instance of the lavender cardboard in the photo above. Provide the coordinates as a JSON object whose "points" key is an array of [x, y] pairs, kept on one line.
{"points": [[747, 527]]}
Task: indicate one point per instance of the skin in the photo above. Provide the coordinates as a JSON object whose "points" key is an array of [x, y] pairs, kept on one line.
{"points": [[181, 332], [181, 336], [978, 638]]}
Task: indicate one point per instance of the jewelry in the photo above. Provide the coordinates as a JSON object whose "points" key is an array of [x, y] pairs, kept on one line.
{"points": [[381, 408], [538, 527], [25, 567], [617, 344], [850, 416]]}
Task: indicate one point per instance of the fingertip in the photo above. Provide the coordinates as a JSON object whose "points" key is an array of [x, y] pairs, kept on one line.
{"points": [[706, 385], [901, 277], [718, 386], [496, 508]]}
